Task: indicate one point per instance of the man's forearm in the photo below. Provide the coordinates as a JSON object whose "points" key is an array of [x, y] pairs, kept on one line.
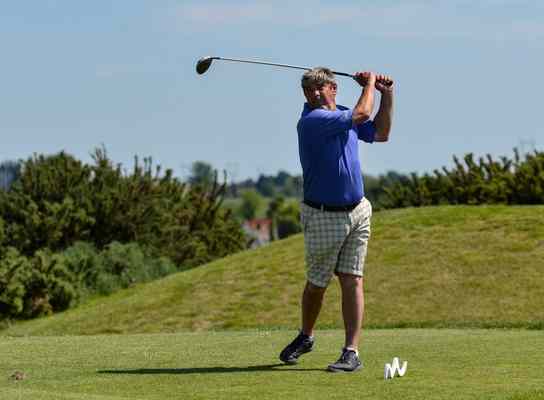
{"points": [[363, 109], [384, 118]]}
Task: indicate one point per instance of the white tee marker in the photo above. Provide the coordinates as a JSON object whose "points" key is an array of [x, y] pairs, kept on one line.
{"points": [[394, 368]]}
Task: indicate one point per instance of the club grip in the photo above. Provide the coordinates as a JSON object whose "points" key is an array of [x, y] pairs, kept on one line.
{"points": [[386, 83]]}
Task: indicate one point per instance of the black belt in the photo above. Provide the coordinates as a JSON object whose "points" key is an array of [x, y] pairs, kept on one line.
{"points": [[324, 207]]}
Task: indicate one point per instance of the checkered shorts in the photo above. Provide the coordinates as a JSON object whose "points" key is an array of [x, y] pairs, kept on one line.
{"points": [[335, 241]]}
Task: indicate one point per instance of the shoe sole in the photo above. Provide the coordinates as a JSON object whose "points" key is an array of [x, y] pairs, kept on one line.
{"points": [[332, 369], [295, 361]]}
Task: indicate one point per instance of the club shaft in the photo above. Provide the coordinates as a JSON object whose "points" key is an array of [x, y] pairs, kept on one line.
{"points": [[278, 65]]}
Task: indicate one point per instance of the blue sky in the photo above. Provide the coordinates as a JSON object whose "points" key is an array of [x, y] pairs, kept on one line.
{"points": [[78, 74]]}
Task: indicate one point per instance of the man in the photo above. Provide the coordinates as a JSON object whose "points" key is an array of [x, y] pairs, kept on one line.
{"points": [[334, 213]]}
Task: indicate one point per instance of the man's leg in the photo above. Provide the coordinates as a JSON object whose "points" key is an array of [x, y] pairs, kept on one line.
{"points": [[350, 274], [352, 308], [312, 299], [352, 311]]}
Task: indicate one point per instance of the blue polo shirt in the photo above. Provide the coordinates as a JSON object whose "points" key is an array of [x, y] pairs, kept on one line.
{"points": [[328, 150]]}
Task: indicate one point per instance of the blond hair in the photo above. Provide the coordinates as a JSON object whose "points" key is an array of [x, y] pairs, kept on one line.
{"points": [[317, 77]]}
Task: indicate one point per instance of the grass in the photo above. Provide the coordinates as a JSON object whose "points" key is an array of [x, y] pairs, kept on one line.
{"points": [[442, 364], [441, 267], [214, 332]]}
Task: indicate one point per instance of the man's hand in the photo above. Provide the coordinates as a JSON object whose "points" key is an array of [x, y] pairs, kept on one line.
{"points": [[384, 83], [365, 78]]}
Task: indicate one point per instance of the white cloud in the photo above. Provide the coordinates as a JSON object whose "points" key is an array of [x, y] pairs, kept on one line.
{"points": [[301, 13], [414, 19], [529, 29], [224, 14]]}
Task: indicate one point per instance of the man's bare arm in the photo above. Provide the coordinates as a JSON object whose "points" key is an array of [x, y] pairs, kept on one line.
{"points": [[365, 105], [384, 118]]}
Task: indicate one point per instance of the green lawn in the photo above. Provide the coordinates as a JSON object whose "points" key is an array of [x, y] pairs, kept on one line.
{"points": [[429, 267], [442, 364], [214, 332]]}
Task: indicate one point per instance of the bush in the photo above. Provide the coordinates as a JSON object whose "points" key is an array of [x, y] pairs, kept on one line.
{"points": [[486, 181], [12, 283], [31, 287], [58, 201], [47, 282], [117, 266], [123, 265]]}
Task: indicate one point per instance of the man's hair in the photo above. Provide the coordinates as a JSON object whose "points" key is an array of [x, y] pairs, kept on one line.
{"points": [[317, 77]]}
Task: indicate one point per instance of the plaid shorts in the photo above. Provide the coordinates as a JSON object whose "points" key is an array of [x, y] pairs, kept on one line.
{"points": [[335, 241]]}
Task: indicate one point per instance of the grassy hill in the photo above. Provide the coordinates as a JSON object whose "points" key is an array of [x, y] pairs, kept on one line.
{"points": [[429, 267]]}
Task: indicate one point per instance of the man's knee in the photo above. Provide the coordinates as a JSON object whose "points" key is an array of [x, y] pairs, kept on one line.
{"points": [[310, 287], [348, 281]]}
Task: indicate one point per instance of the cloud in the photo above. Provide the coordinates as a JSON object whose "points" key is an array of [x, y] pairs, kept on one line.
{"points": [[224, 14], [529, 29], [278, 13], [489, 20]]}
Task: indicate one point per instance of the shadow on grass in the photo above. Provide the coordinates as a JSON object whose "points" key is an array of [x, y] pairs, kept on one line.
{"points": [[208, 370]]}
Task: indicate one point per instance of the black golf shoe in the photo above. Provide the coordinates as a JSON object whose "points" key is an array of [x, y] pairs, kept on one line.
{"points": [[302, 344], [348, 362]]}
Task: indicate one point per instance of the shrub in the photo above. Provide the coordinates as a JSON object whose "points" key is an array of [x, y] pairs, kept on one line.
{"points": [[123, 265], [486, 181], [31, 287], [117, 266], [12, 283], [50, 282], [58, 201]]}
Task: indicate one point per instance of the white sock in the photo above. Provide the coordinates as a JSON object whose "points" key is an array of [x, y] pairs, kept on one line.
{"points": [[352, 349], [311, 337]]}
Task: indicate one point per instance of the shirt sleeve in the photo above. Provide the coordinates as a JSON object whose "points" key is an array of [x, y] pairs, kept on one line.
{"points": [[331, 122], [366, 131]]}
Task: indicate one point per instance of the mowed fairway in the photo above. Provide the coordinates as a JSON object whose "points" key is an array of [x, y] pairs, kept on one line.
{"points": [[442, 364]]}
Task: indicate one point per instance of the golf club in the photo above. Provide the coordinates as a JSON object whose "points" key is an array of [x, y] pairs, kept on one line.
{"points": [[204, 64]]}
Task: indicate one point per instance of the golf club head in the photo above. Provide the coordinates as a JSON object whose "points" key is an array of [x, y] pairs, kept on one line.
{"points": [[203, 64]]}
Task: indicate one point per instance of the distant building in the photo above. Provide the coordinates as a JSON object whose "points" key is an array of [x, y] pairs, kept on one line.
{"points": [[259, 230]]}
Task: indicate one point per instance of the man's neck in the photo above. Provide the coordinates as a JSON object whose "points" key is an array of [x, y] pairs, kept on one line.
{"points": [[330, 107]]}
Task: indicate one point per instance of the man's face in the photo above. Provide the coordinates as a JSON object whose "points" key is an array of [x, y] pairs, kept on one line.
{"points": [[319, 96]]}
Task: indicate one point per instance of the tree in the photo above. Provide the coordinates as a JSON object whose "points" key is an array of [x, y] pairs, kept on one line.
{"points": [[251, 202], [285, 216], [202, 174], [265, 186]]}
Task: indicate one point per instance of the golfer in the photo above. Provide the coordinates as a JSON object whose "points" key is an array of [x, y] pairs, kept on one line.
{"points": [[334, 213]]}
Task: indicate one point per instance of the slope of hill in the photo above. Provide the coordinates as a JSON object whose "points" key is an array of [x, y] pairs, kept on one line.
{"points": [[428, 267]]}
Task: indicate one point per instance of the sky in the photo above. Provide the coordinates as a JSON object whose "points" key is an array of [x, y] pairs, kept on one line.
{"points": [[76, 75]]}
